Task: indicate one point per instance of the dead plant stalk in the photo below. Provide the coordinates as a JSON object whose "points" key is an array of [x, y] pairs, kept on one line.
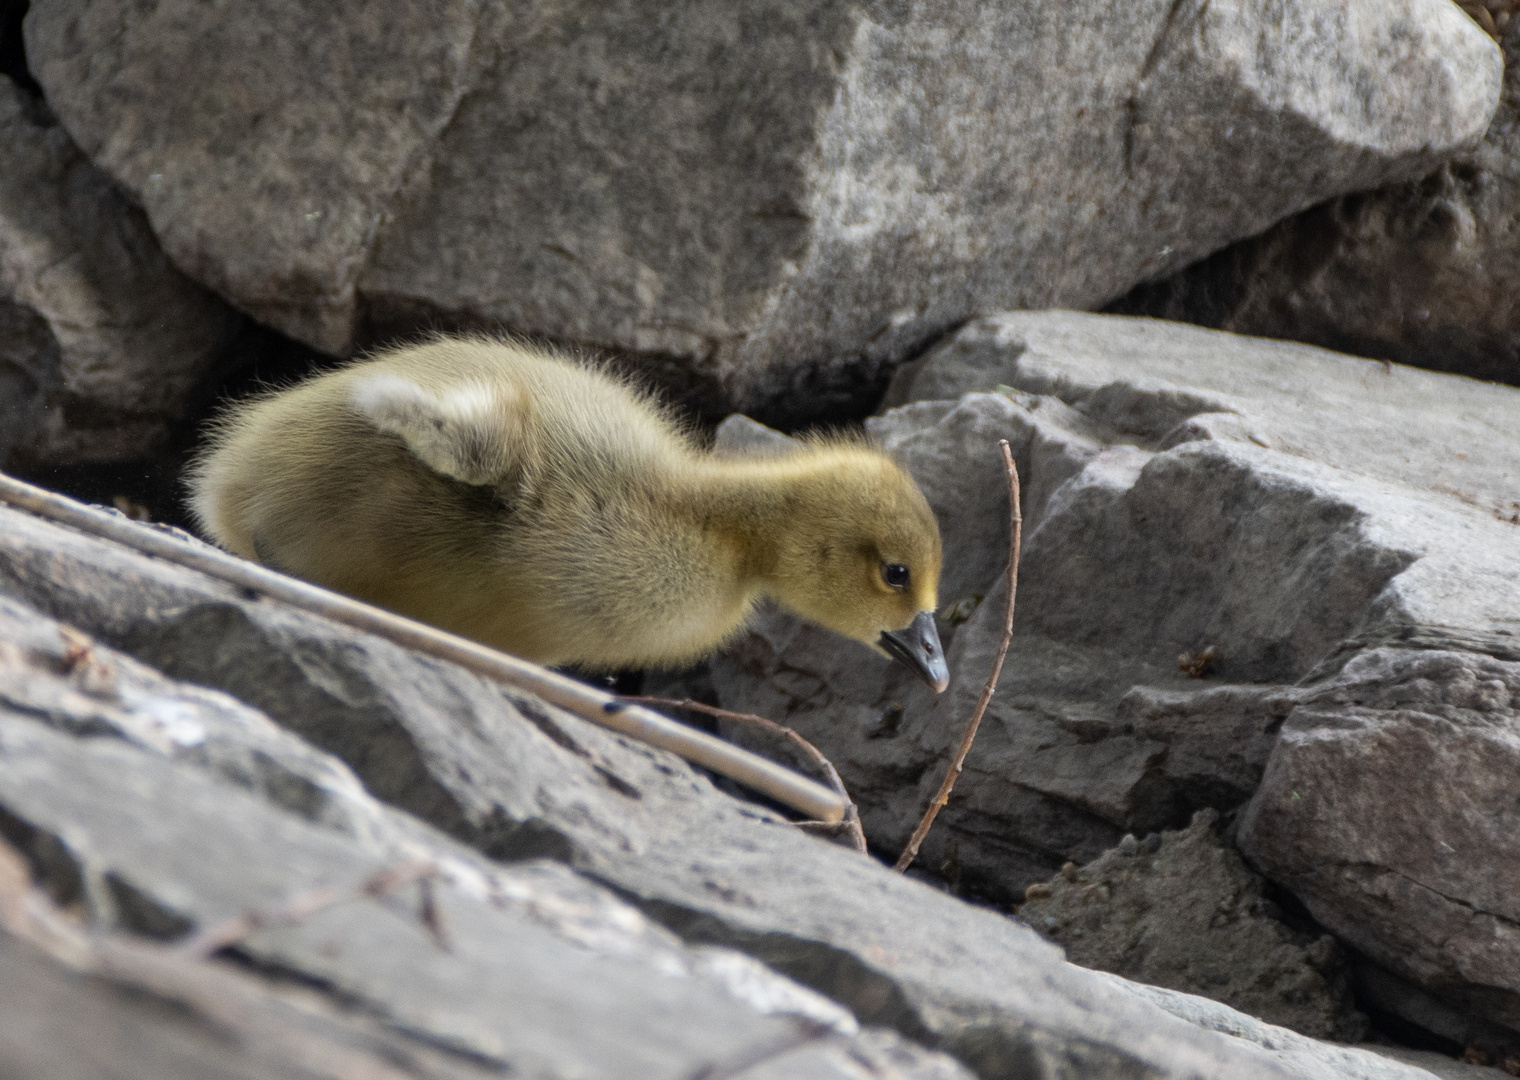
{"points": [[1016, 539], [851, 821]]}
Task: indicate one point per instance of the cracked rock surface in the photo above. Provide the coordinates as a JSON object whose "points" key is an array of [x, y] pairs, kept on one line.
{"points": [[173, 751], [1309, 517], [772, 204], [1421, 272], [102, 340]]}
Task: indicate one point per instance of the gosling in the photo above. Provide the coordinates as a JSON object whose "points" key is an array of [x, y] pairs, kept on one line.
{"points": [[550, 509]]}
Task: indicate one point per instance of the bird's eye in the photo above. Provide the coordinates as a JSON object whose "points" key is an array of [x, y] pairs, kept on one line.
{"points": [[895, 575]]}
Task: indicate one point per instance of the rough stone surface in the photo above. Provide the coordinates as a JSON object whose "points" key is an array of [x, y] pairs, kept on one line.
{"points": [[530, 970], [1343, 1062], [1390, 806], [101, 339], [1422, 272], [777, 201], [140, 1014], [1291, 509], [517, 779], [1181, 910]]}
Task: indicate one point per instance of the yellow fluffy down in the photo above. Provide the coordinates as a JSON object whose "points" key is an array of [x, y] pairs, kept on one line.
{"points": [[548, 508]]}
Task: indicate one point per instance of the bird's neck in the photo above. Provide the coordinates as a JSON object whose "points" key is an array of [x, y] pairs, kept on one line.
{"points": [[760, 507]]}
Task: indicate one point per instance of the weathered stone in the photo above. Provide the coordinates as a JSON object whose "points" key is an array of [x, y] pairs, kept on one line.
{"points": [[774, 202], [1438, 1064], [1422, 272], [1288, 507], [1390, 807], [530, 969], [139, 1014], [1342, 1062], [519, 778], [101, 339], [1181, 910]]}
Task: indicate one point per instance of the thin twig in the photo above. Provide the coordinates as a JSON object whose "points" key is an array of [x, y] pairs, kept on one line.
{"points": [[304, 905], [720, 756], [1016, 520], [850, 824]]}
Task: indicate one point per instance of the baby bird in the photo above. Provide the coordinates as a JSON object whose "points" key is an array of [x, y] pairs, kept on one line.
{"points": [[552, 510]]}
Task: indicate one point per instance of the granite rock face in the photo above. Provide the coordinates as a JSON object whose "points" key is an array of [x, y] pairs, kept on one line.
{"points": [[661, 897], [102, 340], [1422, 272], [1295, 511], [770, 205]]}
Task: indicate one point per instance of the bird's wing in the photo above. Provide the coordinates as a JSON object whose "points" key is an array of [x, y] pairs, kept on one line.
{"points": [[471, 431]]}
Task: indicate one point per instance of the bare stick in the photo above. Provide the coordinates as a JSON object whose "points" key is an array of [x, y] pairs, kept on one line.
{"points": [[303, 905], [1016, 520], [851, 821], [720, 756]]}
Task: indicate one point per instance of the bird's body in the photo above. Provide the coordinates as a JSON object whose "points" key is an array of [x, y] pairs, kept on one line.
{"points": [[551, 510]]}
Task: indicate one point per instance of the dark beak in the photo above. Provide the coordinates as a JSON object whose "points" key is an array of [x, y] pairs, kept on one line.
{"points": [[918, 647]]}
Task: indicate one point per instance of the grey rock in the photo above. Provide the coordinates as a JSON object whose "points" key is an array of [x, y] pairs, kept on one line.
{"points": [[1438, 1064], [101, 339], [528, 968], [1155, 385], [1291, 508], [774, 203], [1310, 1055], [518, 778], [1382, 991], [137, 1013], [1421, 272], [1389, 806], [1191, 916]]}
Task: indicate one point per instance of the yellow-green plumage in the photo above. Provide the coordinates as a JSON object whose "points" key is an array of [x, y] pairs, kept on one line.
{"points": [[552, 510]]}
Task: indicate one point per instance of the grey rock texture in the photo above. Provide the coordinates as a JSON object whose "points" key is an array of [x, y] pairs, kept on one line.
{"points": [[155, 839], [101, 339], [1344, 1062], [1291, 508], [775, 202], [529, 969], [1422, 272], [1414, 758], [1181, 910]]}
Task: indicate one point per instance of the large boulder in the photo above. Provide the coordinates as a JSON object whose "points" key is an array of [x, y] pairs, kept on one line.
{"points": [[772, 202], [102, 340], [131, 795], [1390, 806], [1421, 272], [1265, 512]]}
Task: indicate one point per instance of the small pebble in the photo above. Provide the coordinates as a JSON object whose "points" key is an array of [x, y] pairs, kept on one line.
{"points": [[1038, 891], [1129, 845], [1069, 871], [1151, 844]]}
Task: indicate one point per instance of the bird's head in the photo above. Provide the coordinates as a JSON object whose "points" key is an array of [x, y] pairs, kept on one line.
{"points": [[860, 554]]}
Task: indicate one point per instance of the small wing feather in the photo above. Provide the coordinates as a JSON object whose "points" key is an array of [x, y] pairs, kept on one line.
{"points": [[468, 432]]}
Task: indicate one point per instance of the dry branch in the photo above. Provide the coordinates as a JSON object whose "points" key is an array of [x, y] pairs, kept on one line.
{"points": [[1016, 520], [749, 769], [850, 824]]}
